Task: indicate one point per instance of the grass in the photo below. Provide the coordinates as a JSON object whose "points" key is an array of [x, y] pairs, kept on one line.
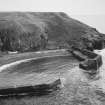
{"points": [[32, 31]]}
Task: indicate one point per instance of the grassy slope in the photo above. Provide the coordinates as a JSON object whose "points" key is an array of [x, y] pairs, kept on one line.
{"points": [[23, 30]]}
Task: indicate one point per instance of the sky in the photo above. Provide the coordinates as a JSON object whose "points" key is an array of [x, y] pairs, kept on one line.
{"points": [[91, 12]]}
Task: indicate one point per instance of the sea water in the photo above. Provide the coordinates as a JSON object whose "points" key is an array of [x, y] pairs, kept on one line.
{"points": [[100, 83]]}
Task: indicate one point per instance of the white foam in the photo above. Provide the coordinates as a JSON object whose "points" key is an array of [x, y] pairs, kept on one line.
{"points": [[100, 52], [75, 74], [101, 82], [3, 67], [12, 52]]}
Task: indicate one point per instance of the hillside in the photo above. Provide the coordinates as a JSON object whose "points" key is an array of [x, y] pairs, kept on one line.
{"points": [[31, 31]]}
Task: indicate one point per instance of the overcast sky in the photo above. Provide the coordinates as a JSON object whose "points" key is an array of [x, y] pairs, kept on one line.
{"points": [[92, 12]]}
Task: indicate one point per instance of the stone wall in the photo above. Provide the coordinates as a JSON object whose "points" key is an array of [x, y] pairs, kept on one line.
{"points": [[89, 61]]}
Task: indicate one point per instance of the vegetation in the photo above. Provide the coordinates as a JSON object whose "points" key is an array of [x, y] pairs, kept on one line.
{"points": [[31, 31]]}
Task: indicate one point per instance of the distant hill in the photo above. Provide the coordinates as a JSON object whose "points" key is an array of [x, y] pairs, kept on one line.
{"points": [[32, 31]]}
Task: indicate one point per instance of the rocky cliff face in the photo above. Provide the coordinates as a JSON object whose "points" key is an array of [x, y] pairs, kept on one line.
{"points": [[29, 31]]}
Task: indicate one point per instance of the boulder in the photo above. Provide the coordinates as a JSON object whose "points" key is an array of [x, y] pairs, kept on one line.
{"points": [[90, 61], [91, 65], [78, 55], [92, 43]]}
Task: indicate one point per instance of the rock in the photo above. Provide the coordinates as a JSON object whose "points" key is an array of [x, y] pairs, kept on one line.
{"points": [[91, 65], [91, 62], [91, 43], [37, 90], [78, 55]]}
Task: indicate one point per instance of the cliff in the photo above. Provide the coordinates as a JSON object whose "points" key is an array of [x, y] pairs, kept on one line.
{"points": [[32, 31]]}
